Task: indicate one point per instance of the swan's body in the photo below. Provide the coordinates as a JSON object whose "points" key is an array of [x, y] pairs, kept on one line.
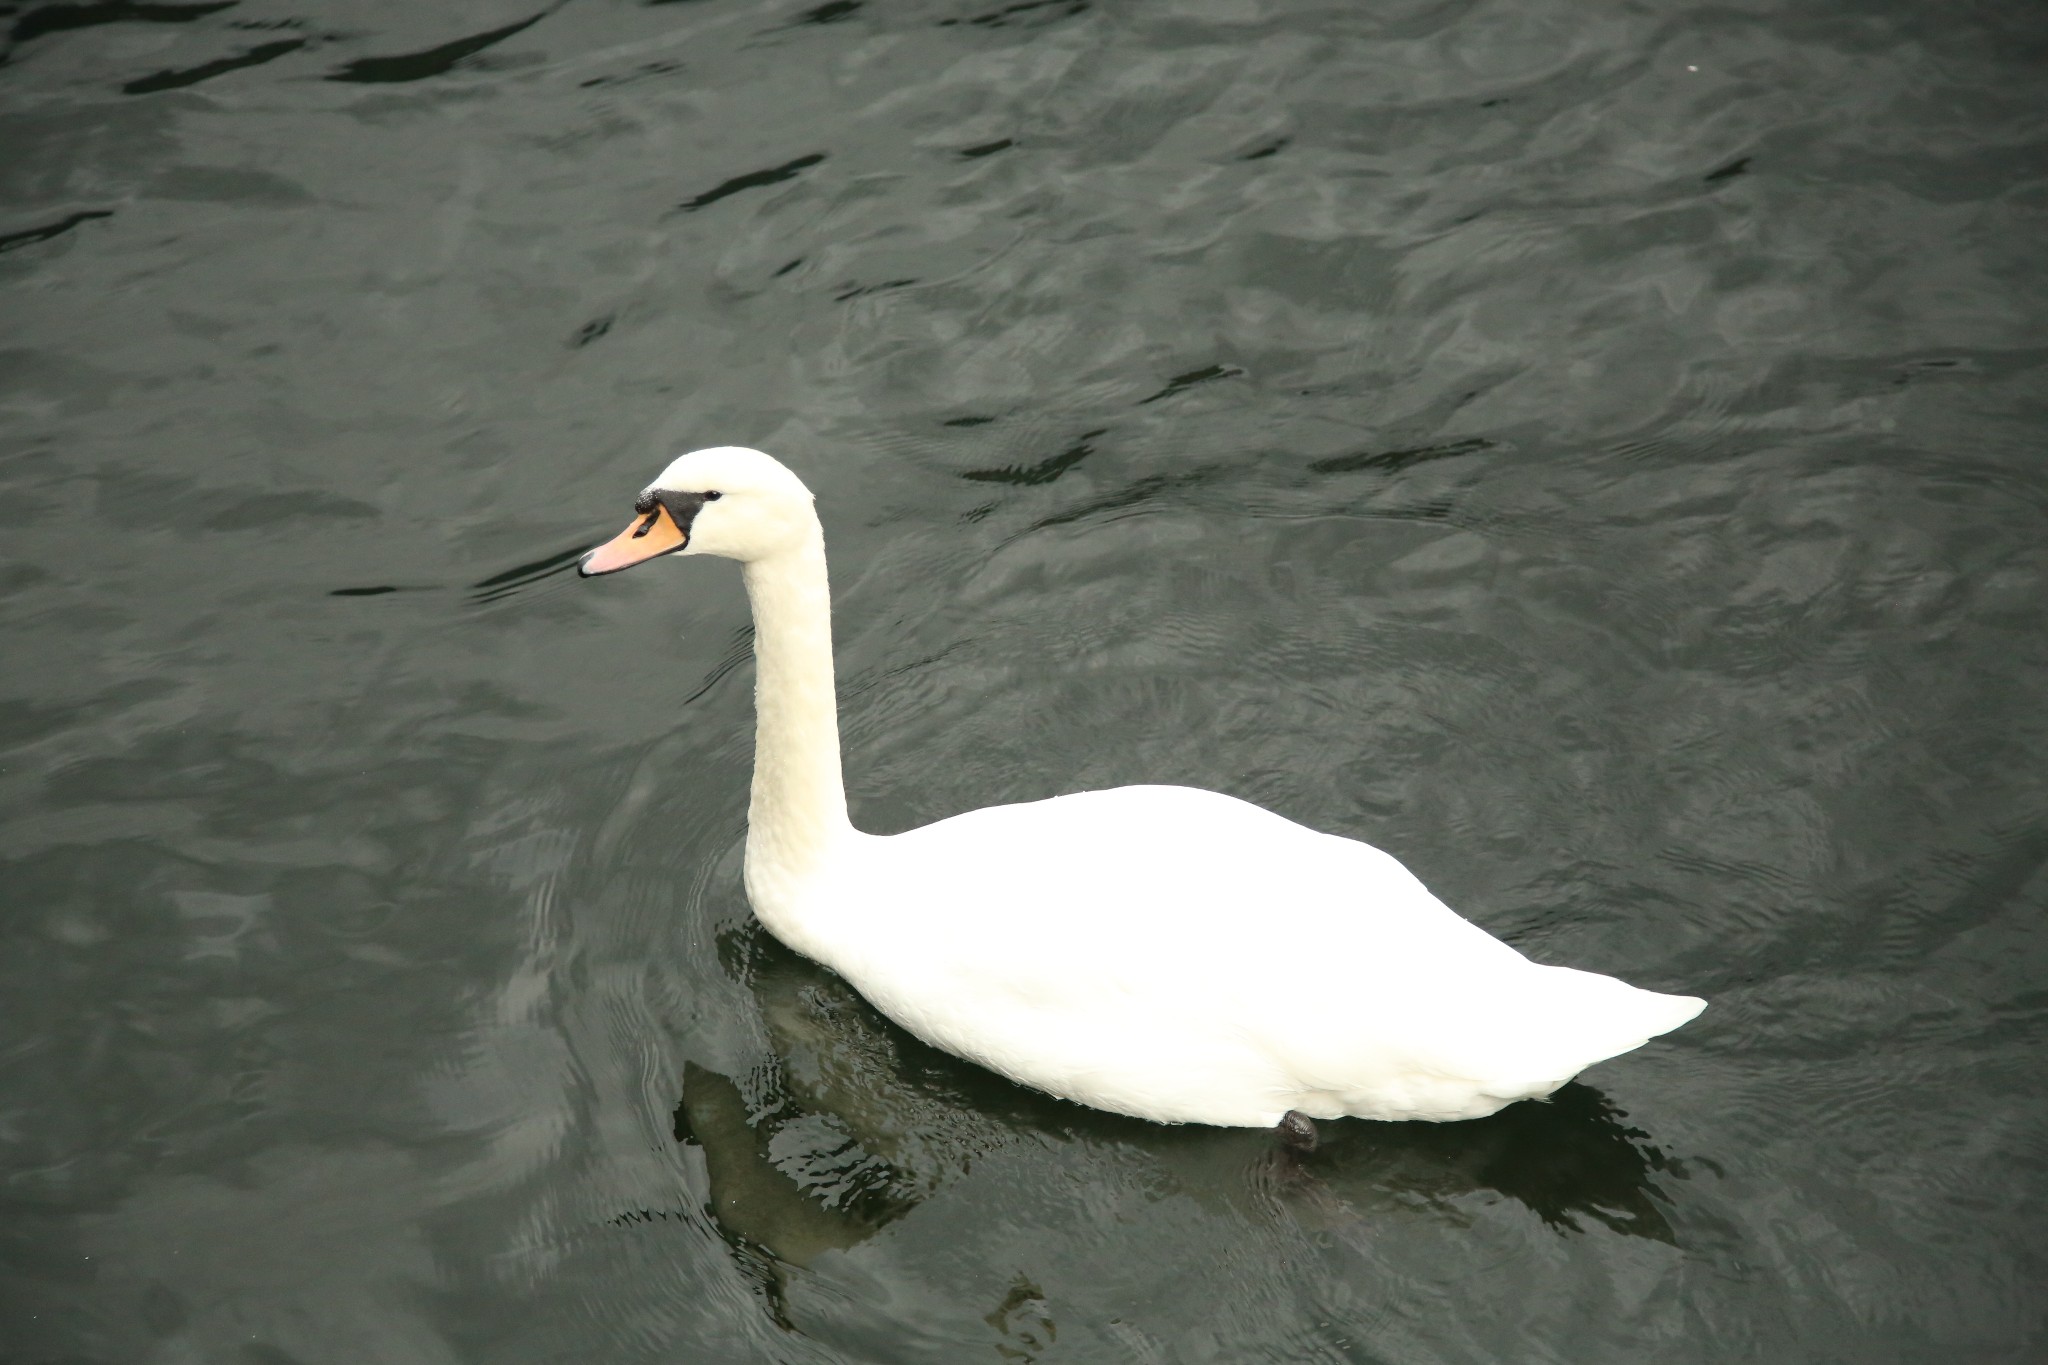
{"points": [[1164, 952]]}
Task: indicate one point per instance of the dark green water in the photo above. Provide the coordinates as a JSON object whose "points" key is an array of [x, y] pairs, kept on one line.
{"points": [[1598, 452]]}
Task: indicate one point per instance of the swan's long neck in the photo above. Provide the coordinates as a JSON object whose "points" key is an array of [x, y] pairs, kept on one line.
{"points": [[798, 810]]}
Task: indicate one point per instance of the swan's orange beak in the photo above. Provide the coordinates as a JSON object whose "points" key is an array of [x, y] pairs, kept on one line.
{"points": [[649, 537]]}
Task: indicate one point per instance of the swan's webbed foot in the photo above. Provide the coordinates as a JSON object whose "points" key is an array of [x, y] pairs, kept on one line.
{"points": [[1298, 1132]]}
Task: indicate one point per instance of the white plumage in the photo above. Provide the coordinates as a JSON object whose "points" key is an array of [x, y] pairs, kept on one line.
{"points": [[1164, 952]]}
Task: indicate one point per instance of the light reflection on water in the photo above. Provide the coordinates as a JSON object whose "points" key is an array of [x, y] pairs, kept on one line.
{"points": [[1593, 454]]}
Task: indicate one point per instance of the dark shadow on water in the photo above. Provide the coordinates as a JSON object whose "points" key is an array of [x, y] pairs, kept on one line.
{"points": [[831, 12], [866, 1121], [1041, 11], [47, 19], [1393, 461], [1570, 1160], [520, 577], [1135, 494], [773, 175], [1046, 470], [857, 290], [181, 77], [1207, 374], [486, 591], [592, 330], [377, 590], [14, 241], [770, 1218], [1727, 172], [644, 71], [433, 61]]}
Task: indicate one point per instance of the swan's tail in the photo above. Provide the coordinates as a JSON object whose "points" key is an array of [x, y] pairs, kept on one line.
{"points": [[1517, 1035], [1579, 1018]]}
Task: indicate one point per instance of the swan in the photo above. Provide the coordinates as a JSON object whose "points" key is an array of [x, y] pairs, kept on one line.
{"points": [[1168, 953]]}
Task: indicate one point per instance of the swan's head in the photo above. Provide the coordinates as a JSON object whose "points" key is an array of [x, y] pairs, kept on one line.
{"points": [[727, 500]]}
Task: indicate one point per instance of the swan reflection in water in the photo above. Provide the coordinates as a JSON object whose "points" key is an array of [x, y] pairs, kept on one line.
{"points": [[1406, 1011], [860, 1123]]}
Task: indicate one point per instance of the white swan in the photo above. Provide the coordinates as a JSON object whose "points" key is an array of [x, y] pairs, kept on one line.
{"points": [[1173, 954]]}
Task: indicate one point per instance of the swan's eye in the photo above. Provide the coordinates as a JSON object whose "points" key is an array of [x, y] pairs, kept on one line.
{"points": [[713, 496]]}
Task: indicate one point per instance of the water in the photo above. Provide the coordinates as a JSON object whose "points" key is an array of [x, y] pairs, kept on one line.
{"points": [[1594, 452]]}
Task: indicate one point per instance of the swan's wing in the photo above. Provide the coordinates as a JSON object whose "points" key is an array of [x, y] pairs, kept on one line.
{"points": [[1168, 898], [1174, 876]]}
